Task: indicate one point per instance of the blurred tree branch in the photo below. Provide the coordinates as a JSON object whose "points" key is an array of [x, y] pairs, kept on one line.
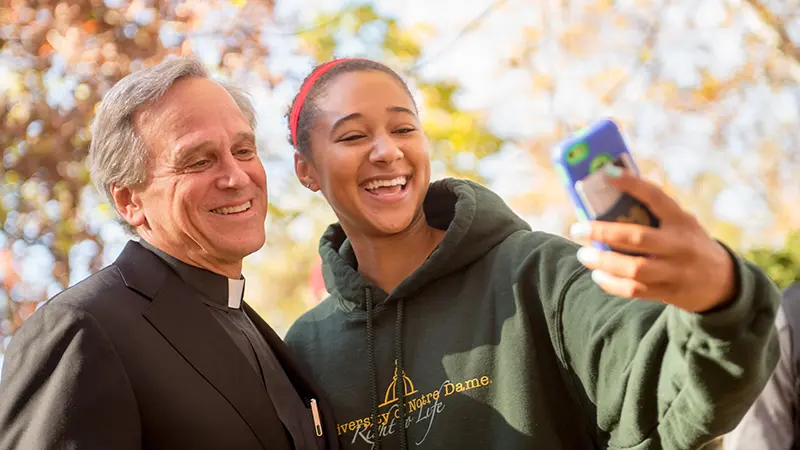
{"points": [[471, 26], [643, 61], [785, 43]]}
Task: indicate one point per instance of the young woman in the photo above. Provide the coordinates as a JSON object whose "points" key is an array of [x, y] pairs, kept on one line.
{"points": [[452, 325]]}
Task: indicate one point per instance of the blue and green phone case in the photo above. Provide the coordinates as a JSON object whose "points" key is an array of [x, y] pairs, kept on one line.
{"points": [[578, 161]]}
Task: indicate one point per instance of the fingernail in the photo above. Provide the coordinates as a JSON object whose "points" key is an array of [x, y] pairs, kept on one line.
{"points": [[580, 230], [600, 277], [588, 255], [612, 171]]}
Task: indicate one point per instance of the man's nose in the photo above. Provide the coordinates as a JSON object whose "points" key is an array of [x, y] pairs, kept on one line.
{"points": [[232, 174], [385, 151]]}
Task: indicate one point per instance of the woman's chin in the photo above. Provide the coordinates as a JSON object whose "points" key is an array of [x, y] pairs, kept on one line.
{"points": [[383, 222], [391, 226]]}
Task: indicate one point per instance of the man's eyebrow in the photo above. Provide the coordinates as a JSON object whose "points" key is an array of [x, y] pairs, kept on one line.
{"points": [[183, 153], [245, 136]]}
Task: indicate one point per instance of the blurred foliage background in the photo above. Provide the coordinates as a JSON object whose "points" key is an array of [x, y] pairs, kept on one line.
{"points": [[706, 91]]}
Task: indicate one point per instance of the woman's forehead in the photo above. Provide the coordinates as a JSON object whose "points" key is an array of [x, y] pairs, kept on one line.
{"points": [[364, 89]]}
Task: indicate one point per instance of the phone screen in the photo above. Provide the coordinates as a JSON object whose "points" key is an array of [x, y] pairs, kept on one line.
{"points": [[598, 196]]}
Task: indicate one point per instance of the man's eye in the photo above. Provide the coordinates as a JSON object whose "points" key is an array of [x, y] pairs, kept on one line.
{"points": [[245, 152], [199, 164]]}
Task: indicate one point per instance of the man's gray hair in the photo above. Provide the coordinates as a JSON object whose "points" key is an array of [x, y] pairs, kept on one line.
{"points": [[117, 155]]}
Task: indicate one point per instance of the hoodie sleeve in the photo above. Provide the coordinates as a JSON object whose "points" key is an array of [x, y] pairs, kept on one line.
{"points": [[656, 376], [769, 424]]}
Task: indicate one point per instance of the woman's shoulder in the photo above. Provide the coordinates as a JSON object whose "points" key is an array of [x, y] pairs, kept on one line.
{"points": [[533, 255], [525, 244], [312, 321]]}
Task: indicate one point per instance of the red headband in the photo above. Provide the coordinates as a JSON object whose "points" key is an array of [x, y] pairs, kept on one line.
{"points": [[294, 115]]}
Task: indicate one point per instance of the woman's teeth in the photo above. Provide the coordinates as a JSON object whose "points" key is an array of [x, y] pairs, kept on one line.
{"points": [[375, 184]]}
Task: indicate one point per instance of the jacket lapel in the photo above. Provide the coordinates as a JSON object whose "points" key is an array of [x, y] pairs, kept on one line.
{"points": [[190, 328]]}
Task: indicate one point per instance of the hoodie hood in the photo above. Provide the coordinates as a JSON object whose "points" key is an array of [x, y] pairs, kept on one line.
{"points": [[476, 220]]}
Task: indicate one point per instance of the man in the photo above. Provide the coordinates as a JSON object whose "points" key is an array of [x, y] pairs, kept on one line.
{"points": [[158, 351], [772, 423]]}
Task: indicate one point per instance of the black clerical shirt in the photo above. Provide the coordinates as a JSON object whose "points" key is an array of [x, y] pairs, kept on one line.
{"points": [[223, 297]]}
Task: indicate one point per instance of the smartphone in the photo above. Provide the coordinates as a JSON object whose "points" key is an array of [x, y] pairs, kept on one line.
{"points": [[578, 161]]}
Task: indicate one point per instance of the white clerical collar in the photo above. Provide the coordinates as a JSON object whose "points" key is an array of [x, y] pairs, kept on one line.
{"points": [[235, 291]]}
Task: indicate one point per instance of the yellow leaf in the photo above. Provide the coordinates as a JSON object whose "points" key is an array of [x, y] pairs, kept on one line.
{"points": [[709, 87], [12, 177], [82, 92]]}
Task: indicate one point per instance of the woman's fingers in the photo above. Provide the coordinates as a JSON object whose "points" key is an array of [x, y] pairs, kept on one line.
{"points": [[682, 265], [647, 192], [628, 288], [636, 268], [626, 236]]}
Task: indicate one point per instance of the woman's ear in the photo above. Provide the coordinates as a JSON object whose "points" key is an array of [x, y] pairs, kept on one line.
{"points": [[305, 172]]}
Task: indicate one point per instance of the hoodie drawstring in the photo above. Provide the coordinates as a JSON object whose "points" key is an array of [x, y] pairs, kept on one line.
{"points": [[372, 370], [400, 384], [398, 354]]}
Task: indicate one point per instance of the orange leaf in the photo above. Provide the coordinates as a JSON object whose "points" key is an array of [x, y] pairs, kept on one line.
{"points": [[46, 49], [90, 26]]}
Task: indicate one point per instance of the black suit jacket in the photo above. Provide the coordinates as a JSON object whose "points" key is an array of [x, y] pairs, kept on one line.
{"points": [[130, 358]]}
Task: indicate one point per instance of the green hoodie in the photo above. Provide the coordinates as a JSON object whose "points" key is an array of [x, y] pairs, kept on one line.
{"points": [[501, 340]]}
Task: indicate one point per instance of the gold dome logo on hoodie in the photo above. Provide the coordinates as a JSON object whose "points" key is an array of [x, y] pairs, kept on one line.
{"points": [[421, 408], [391, 392]]}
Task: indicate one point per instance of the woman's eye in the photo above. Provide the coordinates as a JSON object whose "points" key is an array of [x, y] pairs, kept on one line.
{"points": [[405, 130], [351, 137]]}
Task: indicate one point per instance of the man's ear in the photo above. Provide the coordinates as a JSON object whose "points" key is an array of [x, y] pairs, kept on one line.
{"points": [[305, 172], [128, 202]]}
